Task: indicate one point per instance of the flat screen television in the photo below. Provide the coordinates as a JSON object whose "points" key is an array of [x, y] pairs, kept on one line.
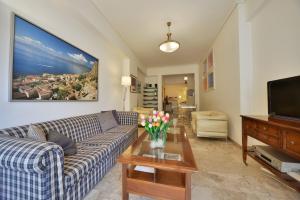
{"points": [[284, 98]]}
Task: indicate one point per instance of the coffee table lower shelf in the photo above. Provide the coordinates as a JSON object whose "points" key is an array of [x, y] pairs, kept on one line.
{"points": [[161, 184]]}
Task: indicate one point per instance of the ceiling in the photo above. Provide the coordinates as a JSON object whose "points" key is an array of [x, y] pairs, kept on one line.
{"points": [[142, 25]]}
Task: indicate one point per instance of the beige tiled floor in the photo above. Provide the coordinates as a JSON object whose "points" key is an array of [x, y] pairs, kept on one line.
{"points": [[221, 176]]}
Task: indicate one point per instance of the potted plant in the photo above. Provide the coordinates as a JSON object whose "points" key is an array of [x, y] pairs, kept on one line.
{"points": [[156, 125]]}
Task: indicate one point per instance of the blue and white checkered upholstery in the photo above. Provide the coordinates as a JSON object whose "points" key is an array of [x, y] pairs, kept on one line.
{"points": [[18, 132], [38, 170], [30, 169], [128, 118]]}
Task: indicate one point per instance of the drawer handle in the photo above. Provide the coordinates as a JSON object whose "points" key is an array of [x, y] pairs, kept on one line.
{"points": [[265, 128], [292, 142]]}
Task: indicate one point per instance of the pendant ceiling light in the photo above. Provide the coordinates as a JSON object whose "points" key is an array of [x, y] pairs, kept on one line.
{"points": [[169, 45]]}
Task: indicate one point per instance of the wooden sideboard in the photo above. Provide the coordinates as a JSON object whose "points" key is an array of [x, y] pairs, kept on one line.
{"points": [[281, 134]]}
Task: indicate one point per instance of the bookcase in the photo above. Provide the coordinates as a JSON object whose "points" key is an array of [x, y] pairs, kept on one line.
{"points": [[150, 99]]}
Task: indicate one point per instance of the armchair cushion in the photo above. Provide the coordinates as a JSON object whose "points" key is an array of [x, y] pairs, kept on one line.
{"points": [[210, 115]]}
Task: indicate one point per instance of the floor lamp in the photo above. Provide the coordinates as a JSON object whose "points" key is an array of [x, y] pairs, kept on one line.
{"points": [[125, 81]]}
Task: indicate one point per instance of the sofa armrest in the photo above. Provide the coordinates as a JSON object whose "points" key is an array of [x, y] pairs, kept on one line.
{"points": [[128, 117], [26, 164]]}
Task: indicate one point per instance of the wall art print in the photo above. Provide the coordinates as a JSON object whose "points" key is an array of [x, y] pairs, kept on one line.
{"points": [[133, 87], [208, 75], [210, 71], [204, 75], [47, 68]]}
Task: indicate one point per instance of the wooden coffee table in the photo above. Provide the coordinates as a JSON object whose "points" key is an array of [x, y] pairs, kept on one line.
{"points": [[171, 167]]}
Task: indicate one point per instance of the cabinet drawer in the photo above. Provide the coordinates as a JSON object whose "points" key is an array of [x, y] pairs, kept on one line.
{"points": [[268, 139], [265, 129], [292, 142], [250, 127]]}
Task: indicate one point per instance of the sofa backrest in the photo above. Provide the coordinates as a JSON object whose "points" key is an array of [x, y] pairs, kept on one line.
{"points": [[77, 128]]}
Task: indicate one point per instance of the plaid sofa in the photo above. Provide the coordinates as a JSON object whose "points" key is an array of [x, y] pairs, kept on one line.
{"points": [[38, 170]]}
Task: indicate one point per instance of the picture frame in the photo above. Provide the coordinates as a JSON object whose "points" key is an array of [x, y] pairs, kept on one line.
{"points": [[139, 86], [208, 74], [204, 76], [46, 68], [133, 86]]}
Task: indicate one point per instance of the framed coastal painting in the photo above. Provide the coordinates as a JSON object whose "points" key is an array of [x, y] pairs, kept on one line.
{"points": [[47, 68]]}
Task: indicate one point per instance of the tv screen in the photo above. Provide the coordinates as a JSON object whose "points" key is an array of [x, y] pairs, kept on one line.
{"points": [[284, 97]]}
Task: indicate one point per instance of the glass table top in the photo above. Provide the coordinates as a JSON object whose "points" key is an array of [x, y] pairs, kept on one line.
{"points": [[173, 149]]}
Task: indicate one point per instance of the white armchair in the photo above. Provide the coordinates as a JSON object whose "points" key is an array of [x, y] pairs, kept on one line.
{"points": [[210, 124]]}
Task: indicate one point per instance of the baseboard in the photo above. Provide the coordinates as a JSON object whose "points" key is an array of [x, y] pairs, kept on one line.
{"points": [[235, 143]]}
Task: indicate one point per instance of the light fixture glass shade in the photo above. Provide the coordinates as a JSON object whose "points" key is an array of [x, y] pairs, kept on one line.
{"points": [[185, 78], [126, 81], [169, 46]]}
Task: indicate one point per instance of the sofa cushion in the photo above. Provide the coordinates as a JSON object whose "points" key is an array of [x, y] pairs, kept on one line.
{"points": [[36, 133], [107, 121], [115, 114], [66, 143], [110, 140], [93, 151], [77, 128], [86, 159], [210, 115], [122, 129]]}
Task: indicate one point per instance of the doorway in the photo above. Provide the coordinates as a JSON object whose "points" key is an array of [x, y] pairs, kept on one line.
{"points": [[178, 90]]}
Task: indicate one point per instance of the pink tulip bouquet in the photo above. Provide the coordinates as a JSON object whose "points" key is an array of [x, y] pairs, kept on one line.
{"points": [[156, 126]]}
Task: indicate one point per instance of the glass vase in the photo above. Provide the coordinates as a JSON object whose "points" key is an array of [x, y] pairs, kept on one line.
{"points": [[159, 142]]}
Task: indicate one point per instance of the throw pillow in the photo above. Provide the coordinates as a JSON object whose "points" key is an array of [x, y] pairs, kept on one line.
{"points": [[66, 143], [107, 121], [36, 133], [115, 114]]}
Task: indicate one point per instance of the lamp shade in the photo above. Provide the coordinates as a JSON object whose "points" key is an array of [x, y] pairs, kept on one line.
{"points": [[126, 81], [169, 46]]}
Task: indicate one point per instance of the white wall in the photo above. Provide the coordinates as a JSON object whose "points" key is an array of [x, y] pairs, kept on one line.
{"points": [[258, 43], [141, 77], [226, 96], [275, 26], [80, 24], [160, 71]]}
